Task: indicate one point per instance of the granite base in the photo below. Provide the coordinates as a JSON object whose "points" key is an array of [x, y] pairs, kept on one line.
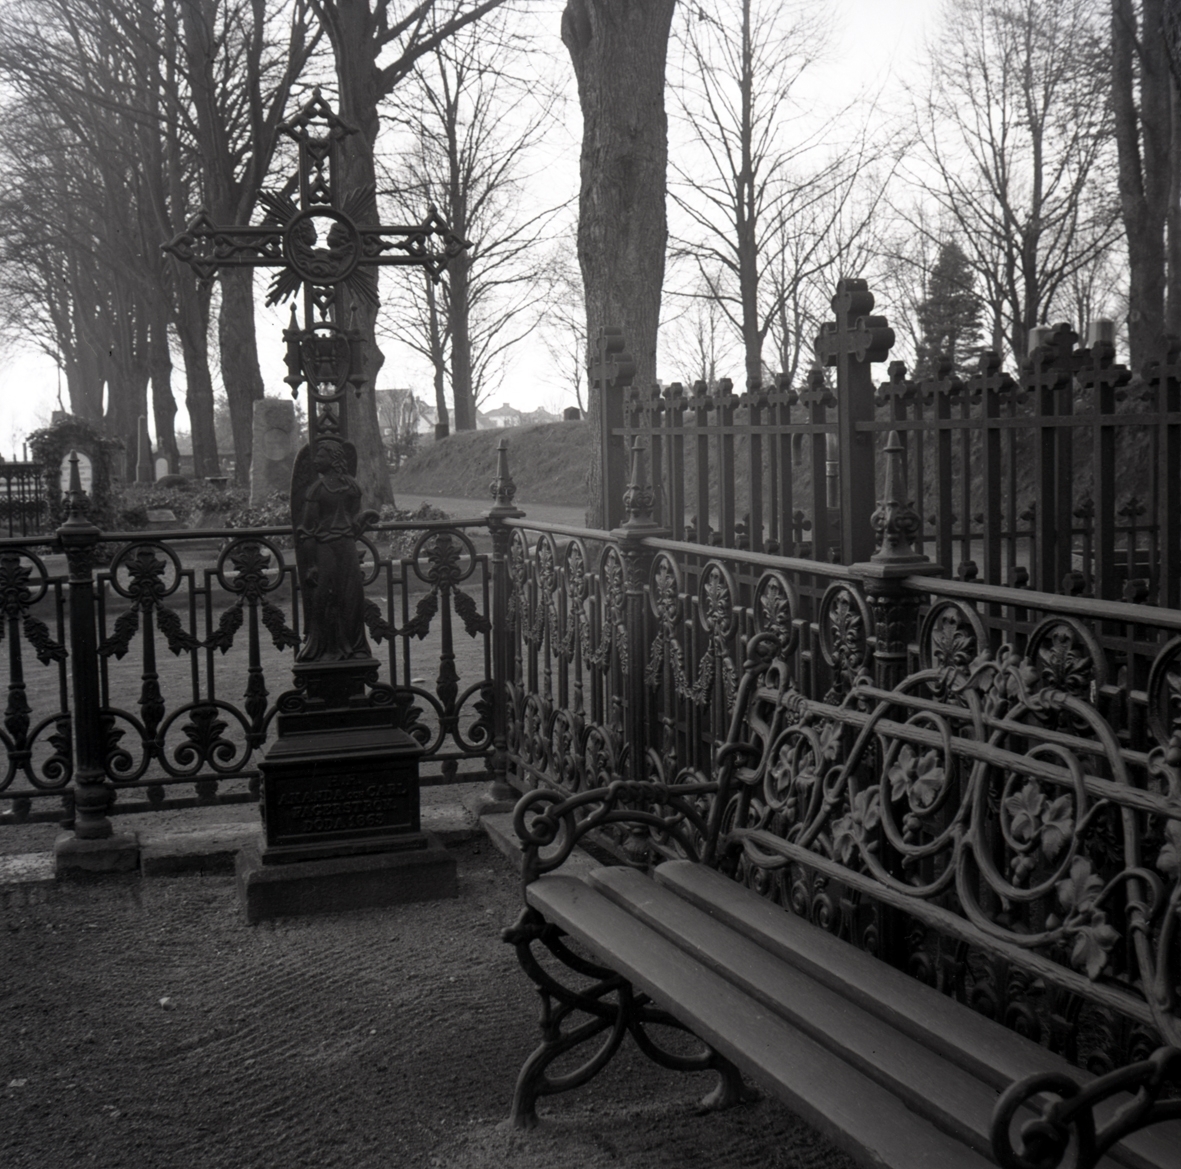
{"points": [[368, 881]]}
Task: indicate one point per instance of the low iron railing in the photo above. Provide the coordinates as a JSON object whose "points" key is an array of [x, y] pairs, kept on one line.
{"points": [[182, 645]]}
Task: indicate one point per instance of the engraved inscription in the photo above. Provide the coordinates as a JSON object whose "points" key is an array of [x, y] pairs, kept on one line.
{"points": [[345, 805]]}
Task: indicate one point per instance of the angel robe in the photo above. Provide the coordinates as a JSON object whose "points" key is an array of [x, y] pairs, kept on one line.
{"points": [[330, 572]]}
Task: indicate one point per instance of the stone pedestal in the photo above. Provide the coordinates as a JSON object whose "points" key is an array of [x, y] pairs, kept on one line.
{"points": [[340, 807], [276, 436], [368, 881]]}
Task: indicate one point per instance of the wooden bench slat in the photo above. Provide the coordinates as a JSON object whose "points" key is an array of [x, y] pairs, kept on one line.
{"points": [[852, 1110], [954, 1100], [984, 1048]]}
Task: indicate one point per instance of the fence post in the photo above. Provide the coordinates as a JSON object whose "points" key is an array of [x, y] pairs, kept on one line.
{"points": [[501, 795], [611, 370], [638, 501], [894, 607], [93, 847]]}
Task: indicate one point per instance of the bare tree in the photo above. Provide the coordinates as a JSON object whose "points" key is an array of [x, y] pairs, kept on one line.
{"points": [[375, 44], [472, 119], [738, 64], [89, 89], [826, 230], [563, 326], [1145, 101], [697, 340], [1015, 146], [618, 49], [242, 63]]}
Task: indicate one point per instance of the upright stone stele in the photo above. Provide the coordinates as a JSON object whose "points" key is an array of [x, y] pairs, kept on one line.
{"points": [[276, 436], [145, 472]]}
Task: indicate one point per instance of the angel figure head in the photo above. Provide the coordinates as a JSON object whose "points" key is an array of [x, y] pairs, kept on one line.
{"points": [[330, 456]]}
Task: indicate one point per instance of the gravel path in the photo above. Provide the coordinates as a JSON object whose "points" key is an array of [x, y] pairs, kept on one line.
{"points": [[143, 1025]]}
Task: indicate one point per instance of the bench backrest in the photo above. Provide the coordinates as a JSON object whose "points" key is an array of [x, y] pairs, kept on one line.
{"points": [[978, 827]]}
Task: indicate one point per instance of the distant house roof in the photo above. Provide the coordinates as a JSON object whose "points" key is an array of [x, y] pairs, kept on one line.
{"points": [[506, 415]]}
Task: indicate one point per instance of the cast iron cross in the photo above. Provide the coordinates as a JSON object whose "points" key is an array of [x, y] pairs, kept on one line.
{"points": [[310, 233], [850, 343]]}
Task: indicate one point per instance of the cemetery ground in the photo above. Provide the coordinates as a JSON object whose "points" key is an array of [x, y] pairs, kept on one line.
{"points": [[143, 1024]]}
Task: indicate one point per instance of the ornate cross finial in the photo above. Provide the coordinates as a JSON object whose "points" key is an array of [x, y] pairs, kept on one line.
{"points": [[854, 333], [611, 364]]}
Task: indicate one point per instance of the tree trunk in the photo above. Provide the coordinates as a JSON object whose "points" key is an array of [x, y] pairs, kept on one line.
{"points": [[163, 402], [461, 345], [1144, 137], [618, 49], [192, 327], [239, 363], [438, 363], [353, 35], [1173, 215], [746, 218]]}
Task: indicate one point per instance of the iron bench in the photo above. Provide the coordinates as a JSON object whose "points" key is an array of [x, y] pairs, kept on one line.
{"points": [[967, 827]]}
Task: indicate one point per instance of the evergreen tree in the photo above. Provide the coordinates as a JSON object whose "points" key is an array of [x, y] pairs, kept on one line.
{"points": [[949, 315]]}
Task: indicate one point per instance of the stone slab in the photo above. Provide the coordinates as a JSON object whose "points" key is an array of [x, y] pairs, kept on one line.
{"points": [[213, 849], [452, 823], [28, 868], [275, 438], [75, 857], [371, 881]]}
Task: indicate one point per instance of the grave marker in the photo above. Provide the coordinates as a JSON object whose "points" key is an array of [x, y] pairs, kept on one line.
{"points": [[276, 435], [336, 736]]}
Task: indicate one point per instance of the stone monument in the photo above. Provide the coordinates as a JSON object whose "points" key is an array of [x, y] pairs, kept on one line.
{"points": [[145, 471], [276, 434]]}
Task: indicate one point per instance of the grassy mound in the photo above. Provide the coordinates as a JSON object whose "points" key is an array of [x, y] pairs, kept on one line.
{"points": [[548, 463]]}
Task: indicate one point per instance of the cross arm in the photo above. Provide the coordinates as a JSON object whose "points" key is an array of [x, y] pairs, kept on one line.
{"points": [[207, 247]]}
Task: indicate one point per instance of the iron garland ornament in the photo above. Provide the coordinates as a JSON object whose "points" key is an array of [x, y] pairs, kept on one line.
{"points": [[310, 233]]}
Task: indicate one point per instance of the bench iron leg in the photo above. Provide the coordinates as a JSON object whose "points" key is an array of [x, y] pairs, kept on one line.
{"points": [[614, 1010]]}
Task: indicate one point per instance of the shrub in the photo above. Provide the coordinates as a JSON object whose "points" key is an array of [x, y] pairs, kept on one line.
{"points": [[187, 501]]}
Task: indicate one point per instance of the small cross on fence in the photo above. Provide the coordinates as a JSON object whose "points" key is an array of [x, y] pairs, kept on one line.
{"points": [[851, 343]]}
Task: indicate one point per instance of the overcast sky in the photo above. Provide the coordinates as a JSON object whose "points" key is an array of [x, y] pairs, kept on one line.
{"points": [[875, 46]]}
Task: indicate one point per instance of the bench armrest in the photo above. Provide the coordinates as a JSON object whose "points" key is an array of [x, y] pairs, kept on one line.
{"points": [[1067, 1107], [545, 819]]}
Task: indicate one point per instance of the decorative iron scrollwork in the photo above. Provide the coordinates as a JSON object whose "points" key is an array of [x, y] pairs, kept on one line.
{"points": [[1065, 1122], [845, 625]]}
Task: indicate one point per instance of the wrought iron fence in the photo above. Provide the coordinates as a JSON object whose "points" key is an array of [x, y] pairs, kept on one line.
{"points": [[24, 510], [1064, 475], [627, 661], [1036, 875], [192, 639]]}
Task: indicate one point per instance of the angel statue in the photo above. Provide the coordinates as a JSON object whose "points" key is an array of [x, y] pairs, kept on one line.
{"points": [[327, 518]]}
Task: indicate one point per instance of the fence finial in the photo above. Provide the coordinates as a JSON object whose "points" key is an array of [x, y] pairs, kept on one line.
{"points": [[502, 487], [895, 521], [639, 498], [77, 500]]}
